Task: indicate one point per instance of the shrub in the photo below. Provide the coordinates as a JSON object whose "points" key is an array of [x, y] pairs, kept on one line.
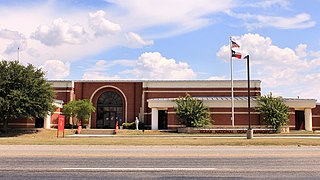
{"points": [[273, 110], [129, 125], [192, 112], [132, 125]]}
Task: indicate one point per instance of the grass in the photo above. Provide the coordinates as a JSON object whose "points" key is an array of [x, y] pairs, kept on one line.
{"points": [[48, 137]]}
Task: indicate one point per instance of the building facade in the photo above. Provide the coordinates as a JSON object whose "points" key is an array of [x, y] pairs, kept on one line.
{"points": [[153, 103]]}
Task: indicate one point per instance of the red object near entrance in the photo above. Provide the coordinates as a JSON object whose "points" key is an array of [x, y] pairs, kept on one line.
{"points": [[61, 120], [117, 127]]}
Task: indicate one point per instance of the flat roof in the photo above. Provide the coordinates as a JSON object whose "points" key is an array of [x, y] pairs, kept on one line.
{"points": [[226, 98], [149, 80]]}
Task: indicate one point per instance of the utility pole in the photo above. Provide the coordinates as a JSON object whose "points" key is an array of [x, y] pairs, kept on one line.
{"points": [[18, 54]]}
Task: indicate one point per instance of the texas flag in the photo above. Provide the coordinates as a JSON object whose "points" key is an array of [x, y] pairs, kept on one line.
{"points": [[236, 54]]}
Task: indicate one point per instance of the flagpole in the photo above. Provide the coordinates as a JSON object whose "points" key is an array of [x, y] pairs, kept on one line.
{"points": [[232, 95], [249, 131]]}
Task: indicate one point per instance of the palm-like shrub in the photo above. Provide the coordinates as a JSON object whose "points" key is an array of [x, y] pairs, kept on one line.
{"points": [[192, 112]]}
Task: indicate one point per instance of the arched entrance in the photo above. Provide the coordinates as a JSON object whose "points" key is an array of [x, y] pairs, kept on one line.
{"points": [[109, 110]]}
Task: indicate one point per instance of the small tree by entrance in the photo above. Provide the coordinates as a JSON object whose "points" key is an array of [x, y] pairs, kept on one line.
{"points": [[84, 110], [81, 109], [69, 111], [273, 110], [192, 112]]}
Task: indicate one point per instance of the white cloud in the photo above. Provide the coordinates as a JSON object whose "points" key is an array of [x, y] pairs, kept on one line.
{"points": [[98, 75], [13, 40], [255, 21], [60, 32], [14, 45], [269, 4], [103, 65], [315, 62], [101, 68], [33, 53], [152, 65], [136, 40], [9, 34], [217, 78], [301, 50], [177, 17], [100, 25], [281, 70], [69, 38], [56, 69]]}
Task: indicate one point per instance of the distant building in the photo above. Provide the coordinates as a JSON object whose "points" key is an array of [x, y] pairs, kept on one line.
{"points": [[153, 102]]}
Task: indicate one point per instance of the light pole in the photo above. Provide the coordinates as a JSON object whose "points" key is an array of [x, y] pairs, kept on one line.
{"points": [[249, 131]]}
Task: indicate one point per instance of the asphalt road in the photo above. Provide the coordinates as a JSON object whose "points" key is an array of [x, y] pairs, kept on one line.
{"points": [[159, 162]]}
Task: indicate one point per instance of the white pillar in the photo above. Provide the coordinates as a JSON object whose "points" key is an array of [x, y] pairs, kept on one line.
{"points": [[308, 119], [47, 121], [154, 119]]}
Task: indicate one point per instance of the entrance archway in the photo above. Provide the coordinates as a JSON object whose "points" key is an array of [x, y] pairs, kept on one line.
{"points": [[109, 110]]}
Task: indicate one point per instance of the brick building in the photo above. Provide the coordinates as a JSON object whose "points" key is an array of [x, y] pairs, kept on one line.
{"points": [[152, 101]]}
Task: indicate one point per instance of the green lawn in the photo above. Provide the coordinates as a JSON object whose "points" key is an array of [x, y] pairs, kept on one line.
{"points": [[48, 137]]}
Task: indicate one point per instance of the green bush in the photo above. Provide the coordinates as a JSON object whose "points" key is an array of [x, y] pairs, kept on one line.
{"points": [[129, 125], [273, 111], [192, 112], [132, 125]]}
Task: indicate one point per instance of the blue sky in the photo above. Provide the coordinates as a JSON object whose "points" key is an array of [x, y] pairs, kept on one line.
{"points": [[168, 39]]}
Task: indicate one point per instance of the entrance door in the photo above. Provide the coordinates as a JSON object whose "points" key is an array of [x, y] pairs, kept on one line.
{"points": [[299, 120], [39, 123], [162, 119], [109, 120], [109, 110]]}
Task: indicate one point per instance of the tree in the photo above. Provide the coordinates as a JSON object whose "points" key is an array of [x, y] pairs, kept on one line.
{"points": [[81, 109], [69, 110], [192, 112], [273, 110], [24, 92], [84, 110]]}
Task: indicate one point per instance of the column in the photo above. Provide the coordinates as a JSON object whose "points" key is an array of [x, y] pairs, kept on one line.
{"points": [[308, 119], [154, 119], [47, 121]]}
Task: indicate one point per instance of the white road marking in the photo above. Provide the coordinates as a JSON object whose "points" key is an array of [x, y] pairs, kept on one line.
{"points": [[142, 169]]}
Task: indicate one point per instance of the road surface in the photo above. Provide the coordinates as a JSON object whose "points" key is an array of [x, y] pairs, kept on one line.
{"points": [[159, 162]]}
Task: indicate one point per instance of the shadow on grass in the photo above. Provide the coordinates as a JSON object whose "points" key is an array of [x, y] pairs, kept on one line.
{"points": [[16, 132]]}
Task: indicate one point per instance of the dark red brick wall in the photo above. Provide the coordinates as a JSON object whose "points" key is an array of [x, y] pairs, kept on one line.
{"points": [[292, 119], [132, 91], [54, 118], [63, 94], [222, 117], [168, 92], [151, 93], [316, 118]]}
